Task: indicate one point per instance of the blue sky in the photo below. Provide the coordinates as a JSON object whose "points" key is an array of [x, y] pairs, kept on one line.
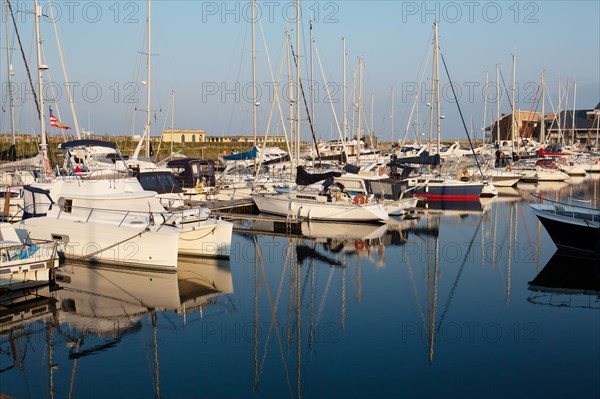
{"points": [[201, 50]]}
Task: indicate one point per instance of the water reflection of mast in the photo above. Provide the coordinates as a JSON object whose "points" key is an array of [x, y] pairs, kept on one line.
{"points": [[155, 347], [255, 383], [343, 312], [298, 329], [494, 236], [510, 243], [49, 337], [432, 292]]}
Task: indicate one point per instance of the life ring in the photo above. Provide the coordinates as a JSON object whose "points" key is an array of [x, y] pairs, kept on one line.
{"points": [[359, 245], [199, 187], [380, 171], [360, 199]]}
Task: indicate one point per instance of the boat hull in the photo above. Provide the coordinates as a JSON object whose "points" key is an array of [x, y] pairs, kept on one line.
{"points": [[33, 272], [208, 238], [288, 206], [147, 247], [443, 191], [569, 234]]}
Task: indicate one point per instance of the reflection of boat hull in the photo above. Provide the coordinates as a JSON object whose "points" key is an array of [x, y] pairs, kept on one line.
{"points": [[462, 206], [24, 307], [568, 275], [346, 231], [568, 233], [112, 299], [199, 281]]}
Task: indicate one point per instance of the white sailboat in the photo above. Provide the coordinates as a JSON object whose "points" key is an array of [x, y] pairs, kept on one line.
{"points": [[307, 203], [107, 216]]}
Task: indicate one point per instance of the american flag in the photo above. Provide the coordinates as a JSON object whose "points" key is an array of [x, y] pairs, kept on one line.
{"points": [[56, 123]]}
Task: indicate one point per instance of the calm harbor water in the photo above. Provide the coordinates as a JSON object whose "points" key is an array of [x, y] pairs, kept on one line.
{"points": [[462, 300]]}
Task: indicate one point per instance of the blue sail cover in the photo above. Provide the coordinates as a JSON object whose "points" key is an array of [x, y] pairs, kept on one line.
{"points": [[242, 155]]}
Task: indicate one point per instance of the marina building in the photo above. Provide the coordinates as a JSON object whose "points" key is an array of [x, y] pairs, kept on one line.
{"points": [[199, 136]]}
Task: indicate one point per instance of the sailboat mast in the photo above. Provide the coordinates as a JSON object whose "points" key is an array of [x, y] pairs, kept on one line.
{"points": [[360, 106], [147, 130], [573, 115], [344, 105], [10, 73], [514, 77], [254, 103], [312, 81], [41, 68], [559, 112], [432, 88], [172, 117], [392, 127], [371, 128], [498, 96], [437, 87], [543, 126], [485, 99], [290, 93], [297, 79]]}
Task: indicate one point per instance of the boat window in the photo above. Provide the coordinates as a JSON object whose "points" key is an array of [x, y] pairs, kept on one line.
{"points": [[148, 181], [195, 169], [68, 207], [168, 183]]}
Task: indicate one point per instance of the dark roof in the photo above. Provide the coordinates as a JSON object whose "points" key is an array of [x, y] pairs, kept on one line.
{"points": [[87, 143], [597, 106], [566, 120]]}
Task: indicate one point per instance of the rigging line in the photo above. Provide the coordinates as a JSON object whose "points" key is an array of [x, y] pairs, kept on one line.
{"points": [[460, 270], [312, 130], [147, 229], [462, 118], [414, 287], [238, 78], [533, 108], [275, 102], [12, 15], [428, 54], [385, 114], [505, 89], [337, 123]]}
